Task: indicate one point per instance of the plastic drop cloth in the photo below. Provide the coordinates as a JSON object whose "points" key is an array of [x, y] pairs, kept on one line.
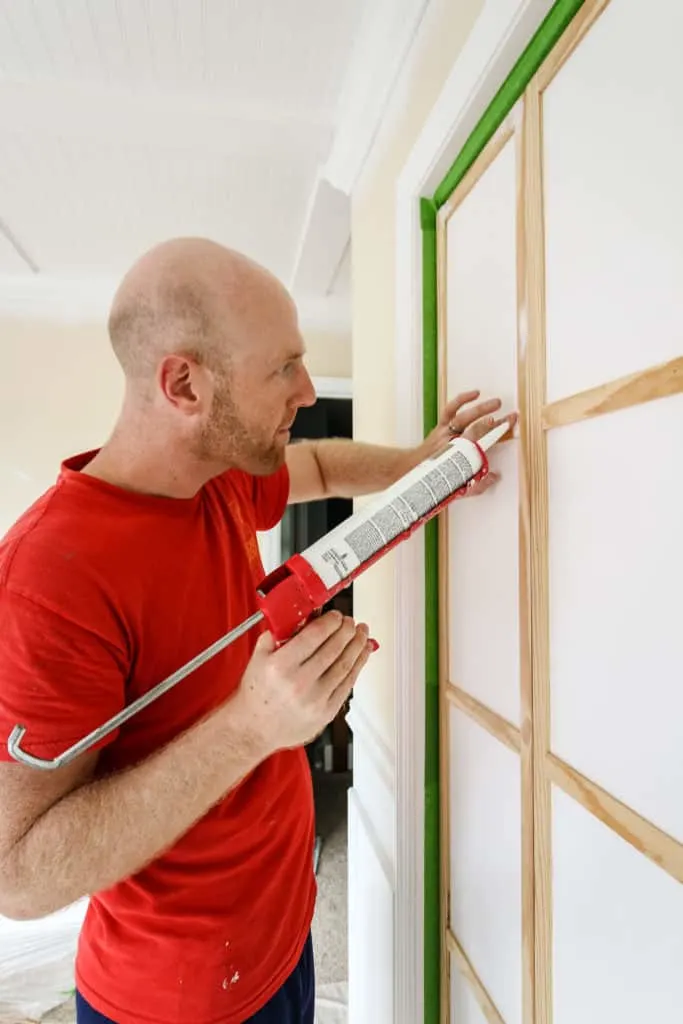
{"points": [[37, 963]]}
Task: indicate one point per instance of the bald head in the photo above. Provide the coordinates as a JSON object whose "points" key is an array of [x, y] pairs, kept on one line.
{"points": [[189, 296]]}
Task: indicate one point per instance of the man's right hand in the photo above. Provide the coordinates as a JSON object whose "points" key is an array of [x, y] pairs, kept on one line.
{"points": [[289, 694]]}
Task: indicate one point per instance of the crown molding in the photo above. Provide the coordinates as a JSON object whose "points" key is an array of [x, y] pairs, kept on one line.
{"points": [[383, 43]]}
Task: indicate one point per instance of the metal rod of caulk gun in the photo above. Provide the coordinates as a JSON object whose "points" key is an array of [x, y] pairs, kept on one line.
{"points": [[89, 741]]}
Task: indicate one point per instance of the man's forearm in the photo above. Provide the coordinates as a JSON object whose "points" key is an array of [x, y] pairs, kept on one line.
{"points": [[111, 828], [351, 468]]}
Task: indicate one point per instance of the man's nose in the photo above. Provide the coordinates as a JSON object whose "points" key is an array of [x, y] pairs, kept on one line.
{"points": [[307, 395]]}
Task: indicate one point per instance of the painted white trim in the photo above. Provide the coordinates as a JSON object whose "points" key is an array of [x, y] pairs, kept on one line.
{"points": [[333, 387], [373, 745], [371, 918], [383, 43], [370, 831], [500, 34]]}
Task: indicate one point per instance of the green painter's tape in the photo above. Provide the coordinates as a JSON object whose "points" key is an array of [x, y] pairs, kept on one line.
{"points": [[432, 923], [526, 67], [427, 214], [550, 30]]}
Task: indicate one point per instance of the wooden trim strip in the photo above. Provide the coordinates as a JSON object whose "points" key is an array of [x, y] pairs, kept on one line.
{"points": [[444, 648], [445, 777], [525, 621], [656, 382], [489, 720], [486, 1004], [661, 848], [480, 165], [568, 42], [532, 375]]}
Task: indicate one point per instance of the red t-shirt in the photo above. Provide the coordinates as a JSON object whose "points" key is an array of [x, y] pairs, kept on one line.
{"points": [[103, 593]]}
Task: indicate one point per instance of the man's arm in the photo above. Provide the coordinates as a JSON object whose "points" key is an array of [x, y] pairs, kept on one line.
{"points": [[347, 469], [66, 834]]}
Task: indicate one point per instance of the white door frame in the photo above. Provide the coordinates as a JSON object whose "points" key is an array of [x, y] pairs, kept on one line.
{"points": [[499, 36]]}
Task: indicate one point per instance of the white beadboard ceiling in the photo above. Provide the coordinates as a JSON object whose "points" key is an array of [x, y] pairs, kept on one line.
{"points": [[124, 122]]}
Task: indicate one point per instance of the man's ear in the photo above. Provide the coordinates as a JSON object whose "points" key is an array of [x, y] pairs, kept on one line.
{"points": [[184, 383]]}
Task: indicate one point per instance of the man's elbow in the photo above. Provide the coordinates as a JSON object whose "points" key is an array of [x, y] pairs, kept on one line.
{"points": [[24, 901]]}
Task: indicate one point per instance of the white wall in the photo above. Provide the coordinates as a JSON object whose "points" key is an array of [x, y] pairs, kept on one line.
{"points": [[60, 391]]}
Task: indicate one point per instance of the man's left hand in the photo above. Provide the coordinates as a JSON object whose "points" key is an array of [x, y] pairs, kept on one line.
{"points": [[464, 416]]}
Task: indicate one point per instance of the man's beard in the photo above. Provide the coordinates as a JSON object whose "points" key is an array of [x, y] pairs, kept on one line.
{"points": [[225, 440]]}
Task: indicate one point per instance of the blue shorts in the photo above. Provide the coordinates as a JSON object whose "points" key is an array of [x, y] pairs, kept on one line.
{"points": [[294, 1003]]}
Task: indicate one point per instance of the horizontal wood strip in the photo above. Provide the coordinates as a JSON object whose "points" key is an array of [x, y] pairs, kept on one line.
{"points": [[485, 717], [656, 382], [486, 1004], [661, 848]]}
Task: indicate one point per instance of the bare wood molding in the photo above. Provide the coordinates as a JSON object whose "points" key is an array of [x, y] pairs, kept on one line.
{"points": [[481, 165], [486, 1004], [661, 848], [490, 720], [534, 448], [574, 33], [656, 382]]}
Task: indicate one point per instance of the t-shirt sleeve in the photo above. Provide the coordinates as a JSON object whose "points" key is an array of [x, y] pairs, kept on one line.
{"points": [[58, 679], [270, 495]]}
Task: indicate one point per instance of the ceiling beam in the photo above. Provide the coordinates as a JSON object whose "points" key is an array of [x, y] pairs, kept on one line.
{"points": [[324, 240]]}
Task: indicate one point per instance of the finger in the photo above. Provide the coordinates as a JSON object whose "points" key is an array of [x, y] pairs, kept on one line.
{"points": [[451, 408], [479, 429], [466, 417], [481, 486], [322, 659], [341, 694], [343, 664], [312, 637], [265, 643]]}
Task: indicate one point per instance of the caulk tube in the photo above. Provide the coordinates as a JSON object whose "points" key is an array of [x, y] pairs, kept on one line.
{"points": [[300, 587], [403, 507]]}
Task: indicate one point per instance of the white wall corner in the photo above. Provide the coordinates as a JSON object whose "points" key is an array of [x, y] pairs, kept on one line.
{"points": [[384, 40], [495, 43]]}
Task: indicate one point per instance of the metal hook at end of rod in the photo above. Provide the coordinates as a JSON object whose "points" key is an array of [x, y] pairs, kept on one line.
{"points": [[15, 751]]}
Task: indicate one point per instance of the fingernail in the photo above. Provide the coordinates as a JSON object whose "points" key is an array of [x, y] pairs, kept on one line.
{"points": [[373, 645]]}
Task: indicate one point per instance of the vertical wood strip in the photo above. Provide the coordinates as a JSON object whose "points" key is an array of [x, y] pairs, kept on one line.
{"points": [[444, 713], [532, 353], [525, 641]]}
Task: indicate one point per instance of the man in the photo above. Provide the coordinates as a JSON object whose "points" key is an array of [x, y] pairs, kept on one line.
{"points": [[193, 824]]}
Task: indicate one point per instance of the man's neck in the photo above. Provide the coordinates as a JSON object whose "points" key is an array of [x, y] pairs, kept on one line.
{"points": [[149, 466]]}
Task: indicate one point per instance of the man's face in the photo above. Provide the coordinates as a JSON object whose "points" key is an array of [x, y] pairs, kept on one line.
{"points": [[257, 397]]}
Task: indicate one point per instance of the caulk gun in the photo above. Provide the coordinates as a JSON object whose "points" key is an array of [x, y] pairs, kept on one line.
{"points": [[297, 591]]}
